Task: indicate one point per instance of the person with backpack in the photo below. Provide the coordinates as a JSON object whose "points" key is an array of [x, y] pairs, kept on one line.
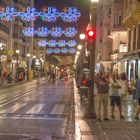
{"points": [[102, 84]]}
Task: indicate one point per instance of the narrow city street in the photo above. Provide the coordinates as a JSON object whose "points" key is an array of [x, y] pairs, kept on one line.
{"points": [[53, 111], [39, 112]]}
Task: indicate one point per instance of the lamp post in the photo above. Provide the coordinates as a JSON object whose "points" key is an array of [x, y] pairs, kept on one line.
{"points": [[28, 56], [82, 48], [90, 112], [17, 52]]}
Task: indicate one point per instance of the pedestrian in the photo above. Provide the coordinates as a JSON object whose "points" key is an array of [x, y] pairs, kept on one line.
{"points": [[115, 98], [137, 97], [102, 84], [124, 86], [4, 75]]}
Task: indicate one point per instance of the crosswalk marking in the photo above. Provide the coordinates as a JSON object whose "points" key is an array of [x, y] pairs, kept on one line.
{"points": [[13, 108], [35, 109], [58, 109]]}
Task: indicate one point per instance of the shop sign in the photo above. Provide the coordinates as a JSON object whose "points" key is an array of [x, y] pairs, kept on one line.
{"points": [[3, 58]]}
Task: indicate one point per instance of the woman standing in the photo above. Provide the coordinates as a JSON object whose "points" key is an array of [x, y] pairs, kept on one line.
{"points": [[124, 86]]}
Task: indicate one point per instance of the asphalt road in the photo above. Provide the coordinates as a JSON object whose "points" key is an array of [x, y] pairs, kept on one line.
{"points": [[37, 112]]}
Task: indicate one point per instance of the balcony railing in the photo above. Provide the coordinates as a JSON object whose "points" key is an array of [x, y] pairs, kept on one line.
{"points": [[132, 8]]}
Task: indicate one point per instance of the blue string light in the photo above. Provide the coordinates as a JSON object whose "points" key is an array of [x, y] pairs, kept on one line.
{"points": [[64, 50], [72, 43], [51, 16], [72, 15], [42, 32], [72, 50], [30, 15], [42, 43], [57, 50], [54, 32], [62, 43], [61, 51], [54, 43], [10, 14], [29, 32], [70, 32]]}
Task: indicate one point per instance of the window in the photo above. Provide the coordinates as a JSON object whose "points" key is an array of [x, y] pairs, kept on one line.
{"points": [[120, 20]]}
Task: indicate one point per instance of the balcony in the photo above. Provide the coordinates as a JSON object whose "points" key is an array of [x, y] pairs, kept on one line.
{"points": [[132, 14]]}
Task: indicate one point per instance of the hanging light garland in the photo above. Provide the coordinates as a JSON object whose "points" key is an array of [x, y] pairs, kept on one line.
{"points": [[54, 43], [54, 32], [61, 50], [72, 14], [31, 14]]}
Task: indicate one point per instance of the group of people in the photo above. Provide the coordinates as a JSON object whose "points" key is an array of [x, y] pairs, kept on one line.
{"points": [[6, 77], [116, 87]]}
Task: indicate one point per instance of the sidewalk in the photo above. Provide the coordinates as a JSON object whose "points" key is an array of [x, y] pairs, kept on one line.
{"points": [[20, 82], [127, 129]]}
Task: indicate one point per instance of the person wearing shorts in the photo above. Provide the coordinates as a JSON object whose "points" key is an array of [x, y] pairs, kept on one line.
{"points": [[115, 99], [137, 96]]}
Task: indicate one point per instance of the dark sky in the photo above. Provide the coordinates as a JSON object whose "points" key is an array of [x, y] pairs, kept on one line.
{"points": [[82, 5]]}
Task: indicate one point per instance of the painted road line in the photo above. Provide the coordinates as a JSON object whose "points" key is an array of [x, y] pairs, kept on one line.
{"points": [[13, 108], [35, 109], [58, 109]]}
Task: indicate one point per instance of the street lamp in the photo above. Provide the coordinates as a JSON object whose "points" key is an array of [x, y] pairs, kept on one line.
{"points": [[34, 56], [79, 47], [82, 36], [78, 53], [95, 1], [28, 56], [17, 52]]}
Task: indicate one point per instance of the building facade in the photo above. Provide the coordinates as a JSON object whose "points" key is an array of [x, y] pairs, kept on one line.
{"points": [[132, 22], [118, 37], [12, 38], [103, 43]]}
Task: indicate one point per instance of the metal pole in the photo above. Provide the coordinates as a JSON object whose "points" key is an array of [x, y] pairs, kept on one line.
{"points": [[90, 112], [17, 69], [28, 69]]}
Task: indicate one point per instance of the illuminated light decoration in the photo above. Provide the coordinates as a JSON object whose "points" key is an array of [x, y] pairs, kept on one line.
{"points": [[49, 51], [30, 15], [70, 32], [51, 16], [42, 43], [9, 15], [29, 32], [72, 50], [57, 50], [64, 50], [62, 43], [72, 15], [56, 32], [72, 43], [42, 32], [52, 43]]}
